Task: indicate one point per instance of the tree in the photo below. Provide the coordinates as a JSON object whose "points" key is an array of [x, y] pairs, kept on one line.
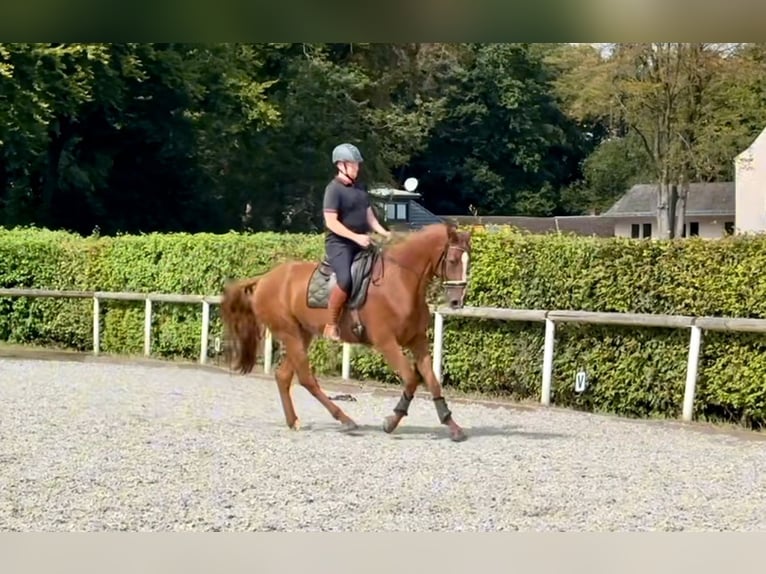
{"points": [[663, 93], [615, 165], [504, 145], [382, 97], [126, 137]]}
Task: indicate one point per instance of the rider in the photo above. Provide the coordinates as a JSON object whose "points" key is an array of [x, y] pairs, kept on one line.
{"points": [[348, 217]]}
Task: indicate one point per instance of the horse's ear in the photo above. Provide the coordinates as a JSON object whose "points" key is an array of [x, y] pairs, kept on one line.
{"points": [[452, 233]]}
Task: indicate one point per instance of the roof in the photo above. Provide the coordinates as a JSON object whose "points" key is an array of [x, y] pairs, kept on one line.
{"points": [[388, 192], [420, 216], [598, 225], [713, 198]]}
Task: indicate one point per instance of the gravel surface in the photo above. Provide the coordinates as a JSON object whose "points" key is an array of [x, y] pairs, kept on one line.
{"points": [[100, 446]]}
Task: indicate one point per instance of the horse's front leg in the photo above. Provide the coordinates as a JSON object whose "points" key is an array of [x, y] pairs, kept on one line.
{"points": [[423, 361], [399, 363]]}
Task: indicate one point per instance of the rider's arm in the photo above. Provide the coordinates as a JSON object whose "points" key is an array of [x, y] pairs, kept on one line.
{"points": [[372, 220], [332, 223]]}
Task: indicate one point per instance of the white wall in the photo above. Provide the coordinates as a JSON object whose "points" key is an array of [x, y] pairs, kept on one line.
{"points": [[750, 183], [623, 228], [709, 227]]}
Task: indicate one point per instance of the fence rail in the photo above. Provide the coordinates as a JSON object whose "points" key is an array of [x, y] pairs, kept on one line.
{"points": [[696, 326], [148, 298]]}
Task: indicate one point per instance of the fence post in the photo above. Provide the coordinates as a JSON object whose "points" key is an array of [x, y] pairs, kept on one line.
{"points": [[96, 326], [268, 352], [691, 373], [346, 363], [148, 327], [438, 344], [205, 332], [550, 336]]}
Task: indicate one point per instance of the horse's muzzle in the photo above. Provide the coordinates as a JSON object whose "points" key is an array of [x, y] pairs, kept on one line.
{"points": [[454, 292]]}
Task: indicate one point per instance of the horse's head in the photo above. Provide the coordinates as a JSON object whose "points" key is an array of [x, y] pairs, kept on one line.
{"points": [[438, 250], [454, 265]]}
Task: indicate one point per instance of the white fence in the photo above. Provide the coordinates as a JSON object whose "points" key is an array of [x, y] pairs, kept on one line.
{"points": [[550, 318], [695, 324], [148, 298]]}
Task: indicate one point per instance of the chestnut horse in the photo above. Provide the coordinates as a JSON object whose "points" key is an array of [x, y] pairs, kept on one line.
{"points": [[386, 310]]}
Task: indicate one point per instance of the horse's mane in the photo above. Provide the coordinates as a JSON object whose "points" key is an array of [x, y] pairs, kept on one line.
{"points": [[429, 232], [405, 248]]}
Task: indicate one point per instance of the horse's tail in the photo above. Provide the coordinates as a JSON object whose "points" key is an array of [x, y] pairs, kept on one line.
{"points": [[241, 326]]}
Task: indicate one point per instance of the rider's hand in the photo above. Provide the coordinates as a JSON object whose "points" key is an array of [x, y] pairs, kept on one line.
{"points": [[363, 240]]}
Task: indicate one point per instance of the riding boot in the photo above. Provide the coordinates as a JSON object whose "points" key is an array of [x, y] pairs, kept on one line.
{"points": [[335, 305]]}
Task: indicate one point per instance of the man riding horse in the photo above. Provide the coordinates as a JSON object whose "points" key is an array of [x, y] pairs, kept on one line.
{"points": [[348, 218], [291, 300]]}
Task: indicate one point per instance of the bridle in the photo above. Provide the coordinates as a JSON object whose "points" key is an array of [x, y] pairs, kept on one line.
{"points": [[442, 265]]}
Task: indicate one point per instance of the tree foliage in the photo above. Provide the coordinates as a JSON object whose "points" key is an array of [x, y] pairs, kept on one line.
{"points": [[133, 137], [125, 137], [692, 107], [504, 145]]}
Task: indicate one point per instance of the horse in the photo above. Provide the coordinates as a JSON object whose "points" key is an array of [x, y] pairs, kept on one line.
{"points": [[387, 310]]}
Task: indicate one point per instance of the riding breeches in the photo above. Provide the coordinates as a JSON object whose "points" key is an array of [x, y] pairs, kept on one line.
{"points": [[340, 254]]}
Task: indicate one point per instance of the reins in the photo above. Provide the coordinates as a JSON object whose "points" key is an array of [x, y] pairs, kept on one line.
{"points": [[379, 248]]}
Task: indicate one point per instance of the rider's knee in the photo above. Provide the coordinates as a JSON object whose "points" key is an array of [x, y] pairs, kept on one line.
{"points": [[344, 282]]}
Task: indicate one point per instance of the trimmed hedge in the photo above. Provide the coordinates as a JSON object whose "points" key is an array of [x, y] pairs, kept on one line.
{"points": [[632, 371], [176, 263]]}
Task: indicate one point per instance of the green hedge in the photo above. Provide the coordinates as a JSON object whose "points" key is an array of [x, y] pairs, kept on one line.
{"points": [[176, 263], [632, 371]]}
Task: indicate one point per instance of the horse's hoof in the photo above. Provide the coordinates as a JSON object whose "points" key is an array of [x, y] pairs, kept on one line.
{"points": [[296, 426], [458, 435], [349, 426], [389, 424]]}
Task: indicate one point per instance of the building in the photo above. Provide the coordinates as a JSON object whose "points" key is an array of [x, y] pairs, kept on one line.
{"points": [[710, 211], [400, 209], [750, 196], [713, 209]]}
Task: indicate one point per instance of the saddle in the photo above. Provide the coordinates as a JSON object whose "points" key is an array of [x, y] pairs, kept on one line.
{"points": [[322, 281]]}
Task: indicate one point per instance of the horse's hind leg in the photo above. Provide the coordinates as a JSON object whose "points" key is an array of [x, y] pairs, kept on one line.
{"points": [[419, 348], [296, 346]]}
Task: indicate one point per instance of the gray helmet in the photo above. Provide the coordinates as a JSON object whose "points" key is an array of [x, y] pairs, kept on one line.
{"points": [[346, 152]]}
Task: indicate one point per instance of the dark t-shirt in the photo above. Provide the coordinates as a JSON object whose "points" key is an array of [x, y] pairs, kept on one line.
{"points": [[351, 203]]}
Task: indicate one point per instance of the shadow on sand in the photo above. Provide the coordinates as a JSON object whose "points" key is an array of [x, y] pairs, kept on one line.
{"points": [[417, 432]]}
